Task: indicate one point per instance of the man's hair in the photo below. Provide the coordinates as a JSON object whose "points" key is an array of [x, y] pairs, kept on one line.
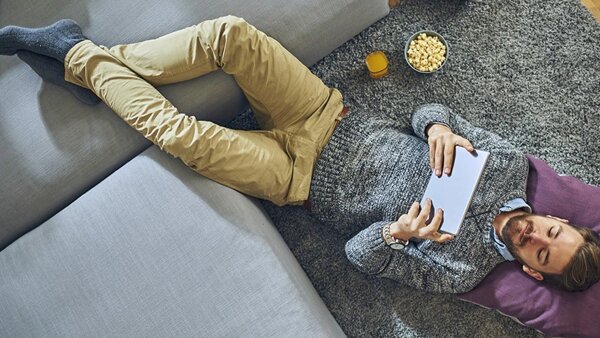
{"points": [[584, 268]]}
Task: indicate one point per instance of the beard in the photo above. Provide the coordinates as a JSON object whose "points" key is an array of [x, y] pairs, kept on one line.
{"points": [[508, 232]]}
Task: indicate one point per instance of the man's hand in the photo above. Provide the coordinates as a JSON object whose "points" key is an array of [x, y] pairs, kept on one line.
{"points": [[441, 147], [412, 225]]}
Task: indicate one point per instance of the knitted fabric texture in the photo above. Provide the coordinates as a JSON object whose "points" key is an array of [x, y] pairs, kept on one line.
{"points": [[526, 70], [53, 41], [371, 171]]}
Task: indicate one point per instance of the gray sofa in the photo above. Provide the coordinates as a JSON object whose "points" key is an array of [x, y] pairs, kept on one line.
{"points": [[102, 234]]}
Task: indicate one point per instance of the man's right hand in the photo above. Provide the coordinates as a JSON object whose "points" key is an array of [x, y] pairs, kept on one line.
{"points": [[412, 225]]}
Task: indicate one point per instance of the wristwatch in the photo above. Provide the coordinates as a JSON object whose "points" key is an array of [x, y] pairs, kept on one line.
{"points": [[394, 243]]}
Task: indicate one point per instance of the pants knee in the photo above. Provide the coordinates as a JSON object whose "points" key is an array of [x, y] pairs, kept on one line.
{"points": [[236, 24]]}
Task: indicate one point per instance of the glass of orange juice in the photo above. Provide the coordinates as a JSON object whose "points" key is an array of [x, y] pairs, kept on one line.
{"points": [[377, 64]]}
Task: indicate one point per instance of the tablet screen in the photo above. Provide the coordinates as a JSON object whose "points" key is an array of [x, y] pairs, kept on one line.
{"points": [[454, 193]]}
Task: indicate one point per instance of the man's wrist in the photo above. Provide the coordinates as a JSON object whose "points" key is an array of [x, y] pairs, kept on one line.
{"points": [[391, 241], [434, 127]]}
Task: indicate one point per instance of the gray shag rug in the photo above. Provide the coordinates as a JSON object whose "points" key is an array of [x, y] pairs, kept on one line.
{"points": [[527, 70]]}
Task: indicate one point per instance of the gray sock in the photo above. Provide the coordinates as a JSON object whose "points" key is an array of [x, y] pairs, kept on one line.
{"points": [[53, 41], [54, 72]]}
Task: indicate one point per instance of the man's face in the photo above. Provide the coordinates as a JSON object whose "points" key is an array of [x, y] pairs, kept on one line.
{"points": [[544, 244]]}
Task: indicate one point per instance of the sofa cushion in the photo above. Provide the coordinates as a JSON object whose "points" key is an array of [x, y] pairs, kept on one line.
{"points": [[551, 310], [157, 250], [54, 148]]}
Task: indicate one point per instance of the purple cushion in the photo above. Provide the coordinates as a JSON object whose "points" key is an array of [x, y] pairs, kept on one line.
{"points": [[509, 290]]}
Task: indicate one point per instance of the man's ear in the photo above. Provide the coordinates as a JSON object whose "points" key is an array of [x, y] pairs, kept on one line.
{"points": [[533, 273], [558, 219]]}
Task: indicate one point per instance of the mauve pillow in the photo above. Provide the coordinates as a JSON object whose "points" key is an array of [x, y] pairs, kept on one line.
{"points": [[509, 290]]}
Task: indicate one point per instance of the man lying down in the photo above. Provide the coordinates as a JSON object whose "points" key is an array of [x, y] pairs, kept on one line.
{"points": [[355, 171]]}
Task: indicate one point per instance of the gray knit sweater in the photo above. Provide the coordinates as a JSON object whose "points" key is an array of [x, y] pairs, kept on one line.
{"points": [[371, 171]]}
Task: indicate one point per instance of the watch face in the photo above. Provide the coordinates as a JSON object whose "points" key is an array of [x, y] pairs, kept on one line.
{"points": [[397, 246]]}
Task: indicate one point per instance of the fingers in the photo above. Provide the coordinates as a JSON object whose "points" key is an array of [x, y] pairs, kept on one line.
{"points": [[431, 231], [415, 223], [424, 214], [448, 157], [439, 158], [444, 153], [413, 212], [442, 149], [431, 154], [441, 238], [406, 221], [428, 231], [463, 142], [436, 222]]}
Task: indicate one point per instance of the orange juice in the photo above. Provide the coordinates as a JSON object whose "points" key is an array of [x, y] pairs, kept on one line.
{"points": [[377, 64]]}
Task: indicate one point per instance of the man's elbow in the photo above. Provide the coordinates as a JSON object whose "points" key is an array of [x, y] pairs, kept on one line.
{"points": [[464, 284], [365, 261]]}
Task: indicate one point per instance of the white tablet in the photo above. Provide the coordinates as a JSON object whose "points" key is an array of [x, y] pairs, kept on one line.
{"points": [[454, 193]]}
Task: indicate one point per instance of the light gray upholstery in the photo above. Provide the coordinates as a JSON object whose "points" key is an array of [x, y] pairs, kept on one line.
{"points": [[54, 148], [156, 250], [126, 241]]}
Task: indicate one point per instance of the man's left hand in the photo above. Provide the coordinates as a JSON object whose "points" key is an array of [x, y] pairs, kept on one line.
{"points": [[442, 142]]}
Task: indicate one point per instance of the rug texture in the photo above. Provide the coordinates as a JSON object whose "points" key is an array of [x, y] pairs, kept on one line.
{"points": [[527, 70]]}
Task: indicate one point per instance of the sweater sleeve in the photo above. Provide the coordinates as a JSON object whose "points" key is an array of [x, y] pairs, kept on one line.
{"points": [[440, 114], [369, 253], [428, 114]]}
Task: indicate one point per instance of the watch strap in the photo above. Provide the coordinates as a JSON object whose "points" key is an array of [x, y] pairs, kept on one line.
{"points": [[391, 240]]}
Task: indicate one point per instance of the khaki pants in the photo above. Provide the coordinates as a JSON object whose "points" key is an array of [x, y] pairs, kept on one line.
{"points": [[293, 107]]}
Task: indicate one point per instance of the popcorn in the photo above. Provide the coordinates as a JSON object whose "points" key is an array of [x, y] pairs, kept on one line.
{"points": [[426, 53]]}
